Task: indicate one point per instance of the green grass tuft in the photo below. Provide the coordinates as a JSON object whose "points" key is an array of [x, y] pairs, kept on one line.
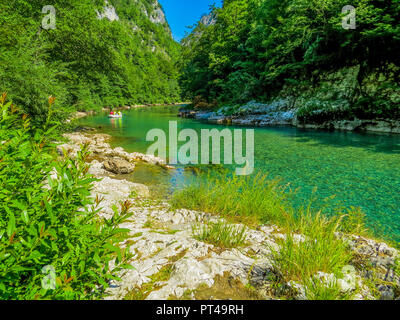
{"points": [[317, 289], [320, 250], [220, 234], [251, 199], [141, 293]]}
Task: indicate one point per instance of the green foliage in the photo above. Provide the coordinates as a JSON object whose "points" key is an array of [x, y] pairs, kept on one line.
{"points": [[319, 250], [317, 289], [220, 234], [86, 62], [265, 49], [256, 200], [48, 219], [353, 221]]}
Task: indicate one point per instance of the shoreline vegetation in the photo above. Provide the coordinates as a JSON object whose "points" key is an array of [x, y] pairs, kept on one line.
{"points": [[263, 115], [269, 117], [90, 59]]}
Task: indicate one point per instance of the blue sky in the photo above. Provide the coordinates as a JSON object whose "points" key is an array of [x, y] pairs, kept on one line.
{"points": [[183, 13]]}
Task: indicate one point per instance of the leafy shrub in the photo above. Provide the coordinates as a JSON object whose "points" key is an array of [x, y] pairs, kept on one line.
{"points": [[48, 219], [30, 81]]}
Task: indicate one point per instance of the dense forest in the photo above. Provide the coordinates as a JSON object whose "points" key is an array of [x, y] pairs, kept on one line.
{"points": [[99, 53], [298, 52]]}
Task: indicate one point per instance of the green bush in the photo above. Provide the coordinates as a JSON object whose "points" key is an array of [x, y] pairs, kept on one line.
{"points": [[47, 218]]}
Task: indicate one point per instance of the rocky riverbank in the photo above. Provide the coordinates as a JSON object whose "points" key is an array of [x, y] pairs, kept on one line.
{"points": [[105, 158], [169, 263], [278, 114]]}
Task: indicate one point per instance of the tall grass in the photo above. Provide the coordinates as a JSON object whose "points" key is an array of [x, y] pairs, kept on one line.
{"points": [[257, 199], [254, 199], [299, 258], [353, 221], [318, 289], [319, 250], [220, 234]]}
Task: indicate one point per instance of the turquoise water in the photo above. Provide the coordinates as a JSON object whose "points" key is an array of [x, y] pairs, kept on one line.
{"points": [[361, 170]]}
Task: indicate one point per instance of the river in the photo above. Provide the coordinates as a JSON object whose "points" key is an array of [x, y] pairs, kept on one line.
{"points": [[335, 168]]}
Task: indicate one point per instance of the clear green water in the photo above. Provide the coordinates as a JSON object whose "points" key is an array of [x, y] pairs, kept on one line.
{"points": [[361, 170]]}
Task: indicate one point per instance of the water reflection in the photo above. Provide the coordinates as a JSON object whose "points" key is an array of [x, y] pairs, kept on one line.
{"points": [[116, 124]]}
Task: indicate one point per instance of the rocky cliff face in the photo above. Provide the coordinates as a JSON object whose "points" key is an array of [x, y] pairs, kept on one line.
{"points": [[136, 11], [156, 36], [153, 11], [108, 12], [208, 19], [205, 21]]}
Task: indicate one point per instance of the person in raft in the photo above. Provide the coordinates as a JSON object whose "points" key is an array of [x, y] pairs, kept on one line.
{"points": [[111, 113]]}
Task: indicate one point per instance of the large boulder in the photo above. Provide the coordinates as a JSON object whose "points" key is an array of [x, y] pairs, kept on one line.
{"points": [[118, 166]]}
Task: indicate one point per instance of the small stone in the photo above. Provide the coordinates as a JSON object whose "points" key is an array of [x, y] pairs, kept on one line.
{"points": [[96, 169], [118, 166]]}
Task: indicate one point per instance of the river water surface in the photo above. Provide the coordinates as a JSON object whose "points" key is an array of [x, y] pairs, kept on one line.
{"points": [[360, 170]]}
